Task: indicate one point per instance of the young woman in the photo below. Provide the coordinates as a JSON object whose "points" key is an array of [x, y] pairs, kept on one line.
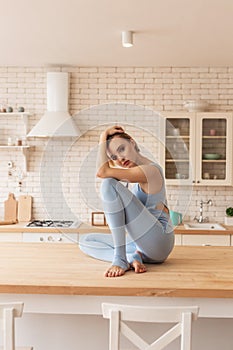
{"points": [[141, 212]]}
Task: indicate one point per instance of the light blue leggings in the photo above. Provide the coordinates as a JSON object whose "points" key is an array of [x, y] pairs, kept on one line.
{"points": [[150, 234]]}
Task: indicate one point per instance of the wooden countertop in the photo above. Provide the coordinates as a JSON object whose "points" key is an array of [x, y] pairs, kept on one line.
{"points": [[32, 268], [85, 228]]}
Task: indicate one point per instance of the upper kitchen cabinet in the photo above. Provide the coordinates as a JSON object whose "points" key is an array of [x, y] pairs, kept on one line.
{"points": [[197, 148]]}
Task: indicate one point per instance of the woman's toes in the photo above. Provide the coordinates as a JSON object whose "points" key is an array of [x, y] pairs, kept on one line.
{"points": [[115, 271]]}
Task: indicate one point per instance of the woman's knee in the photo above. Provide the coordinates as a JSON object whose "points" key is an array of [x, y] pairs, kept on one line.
{"points": [[107, 185]]}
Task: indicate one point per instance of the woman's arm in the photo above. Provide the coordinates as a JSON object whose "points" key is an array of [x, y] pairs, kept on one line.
{"points": [[103, 162]]}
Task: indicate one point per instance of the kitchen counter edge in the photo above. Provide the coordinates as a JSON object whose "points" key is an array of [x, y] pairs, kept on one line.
{"points": [[86, 228]]}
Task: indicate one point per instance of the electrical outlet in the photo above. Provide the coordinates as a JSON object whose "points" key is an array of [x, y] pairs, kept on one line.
{"points": [[10, 164]]}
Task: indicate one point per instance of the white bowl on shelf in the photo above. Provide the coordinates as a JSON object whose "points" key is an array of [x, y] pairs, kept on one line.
{"points": [[196, 105], [211, 156]]}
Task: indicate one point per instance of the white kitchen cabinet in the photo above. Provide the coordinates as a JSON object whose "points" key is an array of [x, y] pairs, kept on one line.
{"points": [[197, 148], [205, 240], [178, 239], [24, 149], [11, 237]]}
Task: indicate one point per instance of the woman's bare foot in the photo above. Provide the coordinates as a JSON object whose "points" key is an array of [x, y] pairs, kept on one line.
{"points": [[137, 264], [115, 271]]}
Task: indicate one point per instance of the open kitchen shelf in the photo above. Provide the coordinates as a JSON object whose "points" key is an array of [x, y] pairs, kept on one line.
{"points": [[214, 137], [15, 147], [177, 137], [24, 149], [24, 116]]}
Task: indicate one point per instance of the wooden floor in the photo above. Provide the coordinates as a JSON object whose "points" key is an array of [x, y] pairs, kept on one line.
{"points": [[63, 269]]}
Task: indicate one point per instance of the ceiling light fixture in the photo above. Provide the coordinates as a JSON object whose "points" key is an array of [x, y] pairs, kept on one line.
{"points": [[127, 39]]}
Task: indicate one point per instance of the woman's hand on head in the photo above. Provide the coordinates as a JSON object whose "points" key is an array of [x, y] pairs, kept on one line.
{"points": [[110, 131]]}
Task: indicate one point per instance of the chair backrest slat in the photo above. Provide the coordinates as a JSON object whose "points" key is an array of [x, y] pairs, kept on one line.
{"points": [[166, 338], [133, 337]]}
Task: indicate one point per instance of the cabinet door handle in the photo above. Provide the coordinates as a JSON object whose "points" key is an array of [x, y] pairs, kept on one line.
{"points": [[198, 181]]}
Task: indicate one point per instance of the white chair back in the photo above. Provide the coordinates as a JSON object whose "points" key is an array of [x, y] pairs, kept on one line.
{"points": [[8, 312], [181, 316]]}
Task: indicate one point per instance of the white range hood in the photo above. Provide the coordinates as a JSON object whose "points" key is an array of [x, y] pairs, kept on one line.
{"points": [[56, 122]]}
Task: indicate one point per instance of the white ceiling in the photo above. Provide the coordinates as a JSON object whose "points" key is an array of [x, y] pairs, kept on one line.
{"points": [[88, 32]]}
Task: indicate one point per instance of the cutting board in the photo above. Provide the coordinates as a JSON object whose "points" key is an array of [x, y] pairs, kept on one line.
{"points": [[10, 208], [24, 208], [11, 222]]}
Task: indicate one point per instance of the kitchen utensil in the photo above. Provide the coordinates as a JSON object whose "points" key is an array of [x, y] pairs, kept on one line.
{"points": [[10, 208], [176, 218], [24, 208], [212, 156]]}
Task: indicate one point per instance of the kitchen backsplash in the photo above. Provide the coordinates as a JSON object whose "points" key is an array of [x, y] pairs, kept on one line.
{"points": [[61, 173]]}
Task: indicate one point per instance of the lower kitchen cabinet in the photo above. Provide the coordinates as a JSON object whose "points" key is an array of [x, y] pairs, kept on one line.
{"points": [[178, 239], [39, 237], [202, 240], [11, 237]]}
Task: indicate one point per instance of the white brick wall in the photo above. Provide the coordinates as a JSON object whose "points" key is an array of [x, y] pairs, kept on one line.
{"points": [[64, 185]]}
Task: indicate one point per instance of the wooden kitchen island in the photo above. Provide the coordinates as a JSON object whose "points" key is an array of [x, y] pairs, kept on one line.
{"points": [[202, 273], [63, 269], [62, 290]]}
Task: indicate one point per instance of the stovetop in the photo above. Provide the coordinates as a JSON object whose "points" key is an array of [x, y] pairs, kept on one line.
{"points": [[53, 223]]}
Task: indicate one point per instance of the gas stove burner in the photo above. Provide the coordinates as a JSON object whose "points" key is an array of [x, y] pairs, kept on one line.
{"points": [[52, 223], [63, 223], [40, 223]]}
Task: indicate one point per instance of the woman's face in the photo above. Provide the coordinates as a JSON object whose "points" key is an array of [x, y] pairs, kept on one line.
{"points": [[122, 152]]}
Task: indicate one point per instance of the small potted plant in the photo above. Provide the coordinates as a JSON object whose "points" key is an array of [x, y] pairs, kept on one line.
{"points": [[229, 216]]}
